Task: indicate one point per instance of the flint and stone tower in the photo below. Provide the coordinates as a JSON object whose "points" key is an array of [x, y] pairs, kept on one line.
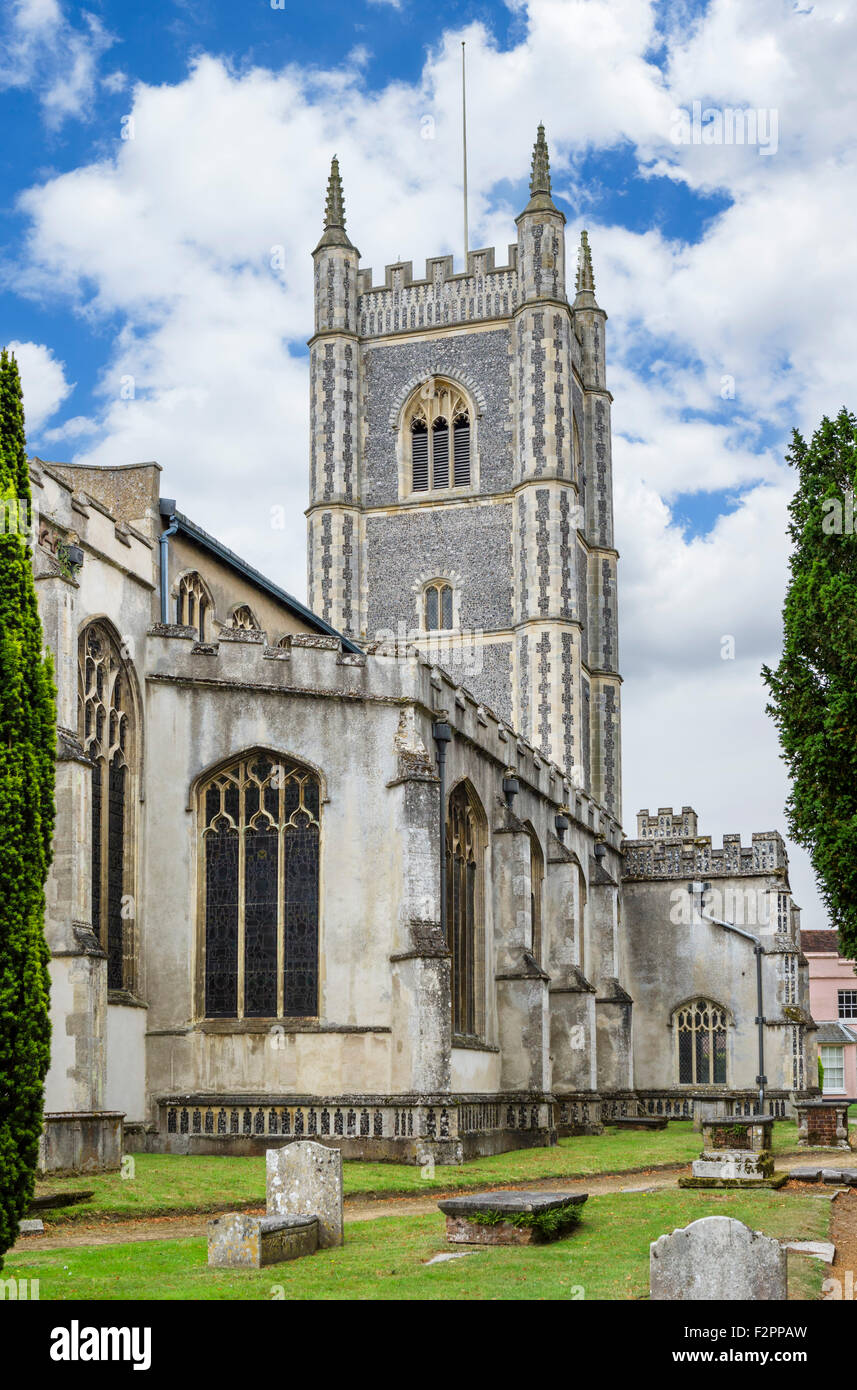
{"points": [[460, 476]]}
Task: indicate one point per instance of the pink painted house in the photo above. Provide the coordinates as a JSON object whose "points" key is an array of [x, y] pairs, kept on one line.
{"points": [[833, 1004]]}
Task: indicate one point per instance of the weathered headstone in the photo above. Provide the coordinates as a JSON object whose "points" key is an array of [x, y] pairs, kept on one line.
{"points": [[717, 1257], [238, 1241], [305, 1179]]}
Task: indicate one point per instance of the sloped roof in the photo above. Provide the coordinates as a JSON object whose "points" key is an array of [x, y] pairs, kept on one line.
{"points": [[835, 1033], [825, 941]]}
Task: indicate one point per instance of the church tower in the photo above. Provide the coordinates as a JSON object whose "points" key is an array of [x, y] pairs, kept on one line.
{"points": [[460, 477]]}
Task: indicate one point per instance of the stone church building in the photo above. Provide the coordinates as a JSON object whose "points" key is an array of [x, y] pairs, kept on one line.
{"points": [[356, 871]]}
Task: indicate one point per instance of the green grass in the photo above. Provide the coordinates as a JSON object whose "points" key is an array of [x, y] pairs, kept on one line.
{"points": [[165, 1183], [606, 1257]]}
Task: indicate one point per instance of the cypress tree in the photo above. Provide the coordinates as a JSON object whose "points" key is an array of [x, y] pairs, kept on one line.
{"points": [[814, 687], [27, 741]]}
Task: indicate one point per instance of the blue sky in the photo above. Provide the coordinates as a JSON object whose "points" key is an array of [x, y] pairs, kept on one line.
{"points": [[729, 275]]}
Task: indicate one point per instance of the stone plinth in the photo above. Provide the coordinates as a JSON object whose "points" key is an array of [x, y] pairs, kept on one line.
{"points": [[822, 1124], [716, 1258], [78, 1141], [753, 1133], [305, 1179], [238, 1241], [511, 1218], [736, 1153]]}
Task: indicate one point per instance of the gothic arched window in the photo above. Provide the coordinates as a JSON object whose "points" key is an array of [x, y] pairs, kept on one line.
{"points": [[437, 427], [109, 738], [193, 604], [537, 873], [437, 606], [464, 908], [244, 619], [260, 889], [700, 1043]]}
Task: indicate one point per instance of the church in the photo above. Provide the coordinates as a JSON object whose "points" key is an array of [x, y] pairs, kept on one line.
{"points": [[356, 870]]}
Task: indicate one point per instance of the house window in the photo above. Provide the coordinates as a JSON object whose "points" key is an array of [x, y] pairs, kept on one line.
{"points": [[260, 890], [848, 1003], [464, 894], [833, 1061], [438, 429], [108, 736], [700, 1039], [193, 604], [437, 606]]}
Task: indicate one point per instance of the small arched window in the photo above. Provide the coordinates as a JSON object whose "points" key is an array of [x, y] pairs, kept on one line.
{"points": [[193, 604], [244, 619], [259, 890], [700, 1043], [464, 908], [437, 423], [109, 737], [437, 606], [537, 873]]}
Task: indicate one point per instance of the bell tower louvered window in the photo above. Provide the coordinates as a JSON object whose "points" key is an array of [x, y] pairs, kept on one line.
{"points": [[259, 890], [438, 434]]}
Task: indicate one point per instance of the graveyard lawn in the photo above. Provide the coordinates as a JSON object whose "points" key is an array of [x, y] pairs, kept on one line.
{"points": [[605, 1258], [164, 1184]]}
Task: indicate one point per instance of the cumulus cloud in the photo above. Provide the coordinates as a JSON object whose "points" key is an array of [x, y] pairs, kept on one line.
{"points": [[173, 236], [43, 382], [44, 50]]}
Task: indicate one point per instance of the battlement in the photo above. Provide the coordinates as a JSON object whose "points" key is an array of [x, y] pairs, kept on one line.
{"points": [[443, 296], [669, 847], [667, 824]]}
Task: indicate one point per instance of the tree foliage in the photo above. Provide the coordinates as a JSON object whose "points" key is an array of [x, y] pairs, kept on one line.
{"points": [[27, 739], [814, 687]]}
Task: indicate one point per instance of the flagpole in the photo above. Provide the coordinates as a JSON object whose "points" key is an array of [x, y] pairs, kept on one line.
{"points": [[464, 151]]}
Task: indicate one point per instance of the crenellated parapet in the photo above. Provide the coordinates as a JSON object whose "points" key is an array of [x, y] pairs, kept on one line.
{"points": [[668, 846], [443, 297]]}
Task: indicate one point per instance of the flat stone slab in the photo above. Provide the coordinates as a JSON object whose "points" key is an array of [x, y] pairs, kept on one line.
{"points": [[716, 1258], [31, 1227], [639, 1122], [845, 1177], [305, 1179], [468, 1219], [239, 1241], [450, 1255], [819, 1249]]}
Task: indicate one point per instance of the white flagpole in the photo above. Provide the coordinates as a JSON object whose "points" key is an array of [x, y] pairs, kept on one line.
{"points": [[464, 151]]}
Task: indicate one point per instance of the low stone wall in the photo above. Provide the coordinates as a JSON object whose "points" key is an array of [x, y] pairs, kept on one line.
{"points": [[81, 1142], [396, 1129]]}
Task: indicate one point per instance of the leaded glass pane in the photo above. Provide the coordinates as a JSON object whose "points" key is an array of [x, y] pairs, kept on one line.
{"points": [[446, 606], [115, 866], [260, 923], [221, 923], [431, 608], [685, 1057], [300, 977], [720, 1056]]}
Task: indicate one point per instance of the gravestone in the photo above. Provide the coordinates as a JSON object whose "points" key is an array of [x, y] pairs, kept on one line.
{"points": [[305, 1179], [511, 1218], [716, 1257], [238, 1241]]}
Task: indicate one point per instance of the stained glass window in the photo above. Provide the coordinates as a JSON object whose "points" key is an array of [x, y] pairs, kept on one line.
{"points": [[108, 736], [463, 908], [260, 831], [701, 1044]]}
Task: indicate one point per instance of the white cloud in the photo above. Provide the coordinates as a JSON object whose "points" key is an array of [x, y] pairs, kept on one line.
{"points": [[43, 383], [44, 50], [172, 235]]}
